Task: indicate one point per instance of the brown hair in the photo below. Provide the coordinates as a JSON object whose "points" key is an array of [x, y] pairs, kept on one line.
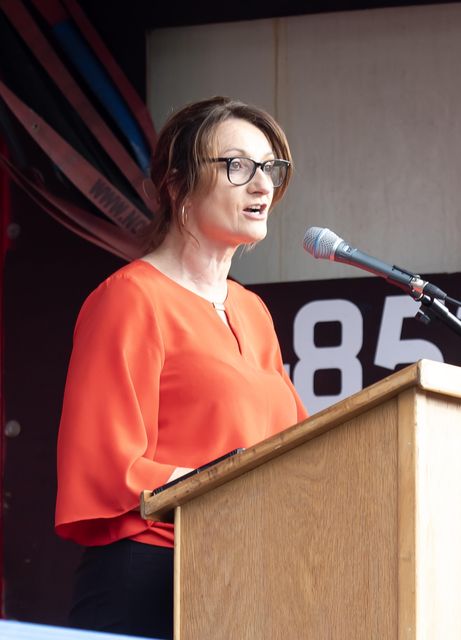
{"points": [[186, 141]]}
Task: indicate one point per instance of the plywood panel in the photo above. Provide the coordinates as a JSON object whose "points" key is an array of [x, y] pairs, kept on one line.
{"points": [[438, 519], [370, 102]]}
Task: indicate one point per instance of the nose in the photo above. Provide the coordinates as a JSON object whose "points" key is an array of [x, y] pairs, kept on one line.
{"points": [[261, 182]]}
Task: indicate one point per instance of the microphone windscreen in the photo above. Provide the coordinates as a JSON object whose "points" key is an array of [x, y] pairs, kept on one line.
{"points": [[321, 242]]}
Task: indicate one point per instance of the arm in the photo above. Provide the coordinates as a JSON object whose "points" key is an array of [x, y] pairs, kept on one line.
{"points": [[109, 424]]}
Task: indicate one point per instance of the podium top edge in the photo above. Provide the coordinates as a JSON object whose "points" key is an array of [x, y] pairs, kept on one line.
{"points": [[438, 377]]}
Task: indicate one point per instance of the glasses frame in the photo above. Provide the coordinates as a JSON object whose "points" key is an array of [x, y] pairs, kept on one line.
{"points": [[256, 165]]}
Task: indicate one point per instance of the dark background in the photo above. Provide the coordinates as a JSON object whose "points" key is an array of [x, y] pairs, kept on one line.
{"points": [[48, 273]]}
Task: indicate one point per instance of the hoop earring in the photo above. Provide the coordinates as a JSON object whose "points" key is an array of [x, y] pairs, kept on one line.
{"points": [[183, 215]]}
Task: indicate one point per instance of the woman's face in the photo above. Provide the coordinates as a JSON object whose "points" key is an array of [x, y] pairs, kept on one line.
{"points": [[228, 215]]}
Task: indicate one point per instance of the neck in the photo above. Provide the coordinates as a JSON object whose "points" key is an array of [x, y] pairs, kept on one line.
{"points": [[201, 269]]}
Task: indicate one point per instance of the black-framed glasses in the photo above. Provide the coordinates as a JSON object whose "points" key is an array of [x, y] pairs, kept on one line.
{"points": [[240, 170]]}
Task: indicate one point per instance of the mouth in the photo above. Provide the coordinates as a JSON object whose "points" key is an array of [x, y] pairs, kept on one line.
{"points": [[256, 211]]}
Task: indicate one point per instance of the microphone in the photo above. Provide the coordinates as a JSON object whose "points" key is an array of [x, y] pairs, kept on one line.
{"points": [[324, 243]]}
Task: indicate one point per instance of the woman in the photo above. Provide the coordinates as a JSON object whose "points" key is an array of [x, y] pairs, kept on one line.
{"points": [[173, 364]]}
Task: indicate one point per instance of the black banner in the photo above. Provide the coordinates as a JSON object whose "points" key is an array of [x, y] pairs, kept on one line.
{"points": [[339, 336]]}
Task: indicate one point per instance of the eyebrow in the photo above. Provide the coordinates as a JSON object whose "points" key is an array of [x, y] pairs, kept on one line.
{"points": [[243, 153]]}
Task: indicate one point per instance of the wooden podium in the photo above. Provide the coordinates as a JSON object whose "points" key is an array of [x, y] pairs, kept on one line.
{"points": [[345, 526]]}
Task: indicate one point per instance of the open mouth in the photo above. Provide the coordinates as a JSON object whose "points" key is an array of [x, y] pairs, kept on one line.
{"points": [[256, 210]]}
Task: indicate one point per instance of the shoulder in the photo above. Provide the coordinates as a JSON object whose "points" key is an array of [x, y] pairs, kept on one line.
{"points": [[137, 274], [135, 279], [128, 292]]}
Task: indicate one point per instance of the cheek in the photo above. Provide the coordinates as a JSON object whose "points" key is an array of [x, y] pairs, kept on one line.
{"points": [[223, 200], [227, 200]]}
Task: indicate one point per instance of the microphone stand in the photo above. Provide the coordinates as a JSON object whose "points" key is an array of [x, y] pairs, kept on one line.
{"points": [[435, 309]]}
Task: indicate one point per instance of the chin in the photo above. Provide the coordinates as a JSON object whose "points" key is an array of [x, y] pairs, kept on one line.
{"points": [[259, 237], [251, 237], [256, 236]]}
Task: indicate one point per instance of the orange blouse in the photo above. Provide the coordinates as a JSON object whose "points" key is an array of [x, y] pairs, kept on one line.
{"points": [[156, 381]]}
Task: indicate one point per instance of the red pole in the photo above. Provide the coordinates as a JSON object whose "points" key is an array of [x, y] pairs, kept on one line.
{"points": [[4, 221]]}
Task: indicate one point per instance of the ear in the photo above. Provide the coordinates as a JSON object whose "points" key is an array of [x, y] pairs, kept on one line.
{"points": [[171, 185]]}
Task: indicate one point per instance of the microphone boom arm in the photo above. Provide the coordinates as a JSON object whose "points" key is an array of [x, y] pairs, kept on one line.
{"points": [[409, 282], [430, 296]]}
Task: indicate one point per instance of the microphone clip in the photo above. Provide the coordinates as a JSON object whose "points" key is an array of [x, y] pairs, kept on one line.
{"points": [[436, 309]]}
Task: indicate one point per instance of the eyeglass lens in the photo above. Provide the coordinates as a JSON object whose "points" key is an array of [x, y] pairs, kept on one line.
{"points": [[241, 170]]}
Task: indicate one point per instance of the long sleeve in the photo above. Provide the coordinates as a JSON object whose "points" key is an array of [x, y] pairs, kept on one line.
{"points": [[109, 424]]}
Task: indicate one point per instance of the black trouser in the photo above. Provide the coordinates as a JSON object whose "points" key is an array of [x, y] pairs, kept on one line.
{"points": [[125, 587]]}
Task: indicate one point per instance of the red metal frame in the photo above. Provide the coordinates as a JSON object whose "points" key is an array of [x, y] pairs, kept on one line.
{"points": [[4, 221]]}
